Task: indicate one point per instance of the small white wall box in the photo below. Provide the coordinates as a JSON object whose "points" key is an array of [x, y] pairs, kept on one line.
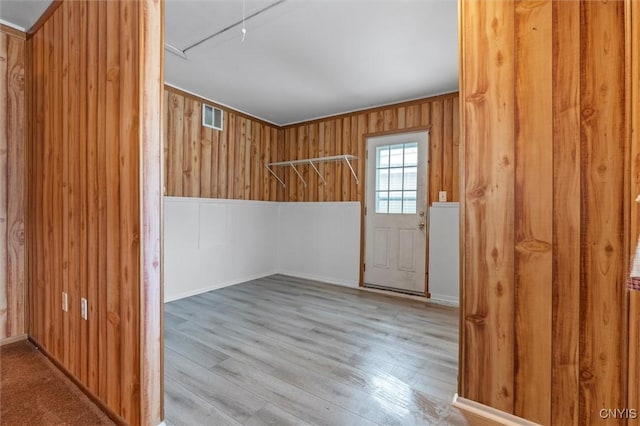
{"points": [[442, 196], [212, 117]]}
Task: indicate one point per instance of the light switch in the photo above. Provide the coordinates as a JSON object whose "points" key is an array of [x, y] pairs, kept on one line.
{"points": [[442, 196]]}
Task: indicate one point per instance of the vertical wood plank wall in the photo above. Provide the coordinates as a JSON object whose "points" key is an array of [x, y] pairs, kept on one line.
{"points": [[12, 191], [633, 35], [546, 239], [85, 110], [345, 134], [202, 162]]}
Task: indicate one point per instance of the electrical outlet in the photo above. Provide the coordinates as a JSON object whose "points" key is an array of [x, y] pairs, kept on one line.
{"points": [[65, 302], [84, 309]]}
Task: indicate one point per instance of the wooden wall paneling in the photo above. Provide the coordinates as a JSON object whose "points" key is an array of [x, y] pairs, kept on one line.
{"points": [[84, 196], [533, 210], [290, 178], [299, 153], [75, 187], [310, 139], [447, 148], [633, 38], [425, 113], [362, 157], [567, 213], [330, 169], [322, 152], [489, 154], [15, 124], [191, 154], [603, 359], [206, 147], [223, 161], [413, 116], [265, 183], [435, 152], [355, 142], [4, 188], [402, 117], [38, 287], [346, 149], [151, 72], [248, 142], [239, 143], [257, 160], [82, 193], [113, 347], [165, 138], [231, 175], [455, 142], [93, 206], [129, 175], [340, 167], [57, 183], [104, 318], [175, 118], [390, 119], [50, 289], [12, 200], [216, 141]]}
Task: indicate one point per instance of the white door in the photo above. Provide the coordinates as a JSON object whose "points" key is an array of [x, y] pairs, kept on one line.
{"points": [[396, 212]]}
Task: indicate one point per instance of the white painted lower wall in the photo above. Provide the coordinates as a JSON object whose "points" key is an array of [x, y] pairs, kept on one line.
{"points": [[210, 243], [320, 241]]}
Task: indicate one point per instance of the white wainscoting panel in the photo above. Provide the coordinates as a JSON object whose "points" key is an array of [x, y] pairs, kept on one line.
{"points": [[211, 243], [320, 241]]}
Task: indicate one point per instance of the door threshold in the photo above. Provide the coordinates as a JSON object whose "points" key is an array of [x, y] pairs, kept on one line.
{"points": [[392, 292]]}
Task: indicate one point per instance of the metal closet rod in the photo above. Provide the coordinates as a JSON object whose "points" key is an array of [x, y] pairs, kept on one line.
{"points": [[235, 24], [345, 157]]}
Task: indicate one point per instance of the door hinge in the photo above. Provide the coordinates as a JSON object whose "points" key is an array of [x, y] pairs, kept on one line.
{"points": [[364, 266], [366, 154], [365, 211]]}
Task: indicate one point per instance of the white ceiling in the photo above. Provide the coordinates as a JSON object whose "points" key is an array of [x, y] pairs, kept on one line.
{"points": [[303, 59], [22, 14]]}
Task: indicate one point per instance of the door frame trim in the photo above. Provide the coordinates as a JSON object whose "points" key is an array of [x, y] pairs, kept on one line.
{"points": [[363, 201]]}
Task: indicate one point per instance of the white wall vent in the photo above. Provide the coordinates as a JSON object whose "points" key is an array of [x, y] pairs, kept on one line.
{"points": [[212, 117]]}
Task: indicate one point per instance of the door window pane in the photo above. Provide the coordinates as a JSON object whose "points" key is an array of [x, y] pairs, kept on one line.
{"points": [[411, 154], [396, 178], [382, 156], [382, 179], [410, 178]]}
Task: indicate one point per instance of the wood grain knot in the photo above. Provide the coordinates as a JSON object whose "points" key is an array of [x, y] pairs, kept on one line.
{"points": [[499, 288], [495, 255], [504, 392], [499, 58], [586, 375], [113, 318], [588, 112], [478, 192], [533, 246], [476, 319]]}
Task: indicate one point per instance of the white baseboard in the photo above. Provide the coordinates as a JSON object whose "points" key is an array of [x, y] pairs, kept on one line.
{"points": [[447, 300], [324, 279], [489, 413], [217, 286], [13, 339]]}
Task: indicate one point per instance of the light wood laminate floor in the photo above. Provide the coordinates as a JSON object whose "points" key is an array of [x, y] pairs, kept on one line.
{"points": [[287, 351]]}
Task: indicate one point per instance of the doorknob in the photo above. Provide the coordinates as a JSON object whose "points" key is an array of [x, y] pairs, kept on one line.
{"points": [[421, 224]]}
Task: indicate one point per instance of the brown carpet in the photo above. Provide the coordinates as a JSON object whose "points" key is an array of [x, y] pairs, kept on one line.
{"points": [[34, 392]]}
